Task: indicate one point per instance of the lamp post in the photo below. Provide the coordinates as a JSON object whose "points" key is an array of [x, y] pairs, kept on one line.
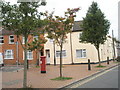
{"points": [[113, 42], [17, 57]]}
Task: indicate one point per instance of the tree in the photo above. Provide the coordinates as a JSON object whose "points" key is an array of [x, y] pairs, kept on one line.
{"points": [[24, 19], [95, 27], [58, 27], [37, 45]]}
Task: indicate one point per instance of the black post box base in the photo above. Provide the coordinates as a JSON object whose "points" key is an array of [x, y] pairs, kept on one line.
{"points": [[43, 71]]}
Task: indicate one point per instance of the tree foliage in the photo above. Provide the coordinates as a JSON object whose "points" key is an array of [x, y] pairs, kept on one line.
{"points": [[95, 27], [24, 19], [37, 43], [58, 28]]}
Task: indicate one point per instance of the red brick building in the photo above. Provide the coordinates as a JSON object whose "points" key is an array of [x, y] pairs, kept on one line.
{"points": [[12, 49]]}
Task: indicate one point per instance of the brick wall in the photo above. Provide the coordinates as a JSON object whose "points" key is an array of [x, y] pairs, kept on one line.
{"points": [[7, 46]]}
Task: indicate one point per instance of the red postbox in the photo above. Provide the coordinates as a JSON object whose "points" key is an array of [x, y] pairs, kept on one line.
{"points": [[43, 64]]}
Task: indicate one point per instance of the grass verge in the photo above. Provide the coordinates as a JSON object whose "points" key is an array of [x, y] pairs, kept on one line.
{"points": [[62, 78], [37, 66], [101, 66], [116, 62]]}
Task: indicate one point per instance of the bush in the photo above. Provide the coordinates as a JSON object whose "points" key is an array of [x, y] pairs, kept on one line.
{"points": [[118, 58]]}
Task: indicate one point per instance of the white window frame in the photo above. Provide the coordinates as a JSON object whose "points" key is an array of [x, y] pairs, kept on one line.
{"points": [[81, 53], [1, 40], [11, 39], [51, 40], [63, 53], [79, 36], [23, 40], [6, 54], [28, 57]]}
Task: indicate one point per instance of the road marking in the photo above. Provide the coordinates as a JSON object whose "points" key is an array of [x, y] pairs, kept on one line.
{"points": [[89, 79]]}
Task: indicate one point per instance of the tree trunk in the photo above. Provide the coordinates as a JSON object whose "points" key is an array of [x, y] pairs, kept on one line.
{"points": [[54, 53], [99, 56], [61, 60], [71, 49], [25, 64], [17, 51], [37, 57]]}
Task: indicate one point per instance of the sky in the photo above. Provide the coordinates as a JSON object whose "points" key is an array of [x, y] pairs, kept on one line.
{"points": [[108, 7]]}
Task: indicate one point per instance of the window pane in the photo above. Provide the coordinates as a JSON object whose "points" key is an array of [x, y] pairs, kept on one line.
{"points": [[50, 40], [1, 37], [23, 40], [84, 52], [78, 53], [11, 39], [63, 53], [1, 41], [80, 34], [11, 36], [36, 37], [29, 55], [81, 53], [57, 54], [8, 54]]}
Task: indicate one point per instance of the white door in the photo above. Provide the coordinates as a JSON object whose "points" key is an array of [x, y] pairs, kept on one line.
{"points": [[47, 56]]}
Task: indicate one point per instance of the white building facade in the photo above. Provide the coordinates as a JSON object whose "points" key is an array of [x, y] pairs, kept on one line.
{"points": [[76, 52]]}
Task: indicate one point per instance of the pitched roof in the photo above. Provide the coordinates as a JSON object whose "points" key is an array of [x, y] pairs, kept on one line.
{"points": [[76, 26], [5, 32]]}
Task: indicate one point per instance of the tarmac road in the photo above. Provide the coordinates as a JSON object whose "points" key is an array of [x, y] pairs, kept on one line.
{"points": [[107, 80]]}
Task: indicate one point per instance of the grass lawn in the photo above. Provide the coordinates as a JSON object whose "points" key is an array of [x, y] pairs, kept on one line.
{"points": [[62, 78]]}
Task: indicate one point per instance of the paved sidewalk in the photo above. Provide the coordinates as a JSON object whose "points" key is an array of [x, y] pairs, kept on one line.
{"points": [[12, 68], [38, 80]]}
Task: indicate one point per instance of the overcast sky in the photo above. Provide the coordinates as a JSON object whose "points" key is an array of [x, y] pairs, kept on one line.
{"points": [[108, 7]]}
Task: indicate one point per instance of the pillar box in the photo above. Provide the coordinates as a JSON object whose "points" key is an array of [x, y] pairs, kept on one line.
{"points": [[43, 64]]}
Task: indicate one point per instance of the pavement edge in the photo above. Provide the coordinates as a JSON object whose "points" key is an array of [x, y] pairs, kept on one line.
{"points": [[80, 80]]}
